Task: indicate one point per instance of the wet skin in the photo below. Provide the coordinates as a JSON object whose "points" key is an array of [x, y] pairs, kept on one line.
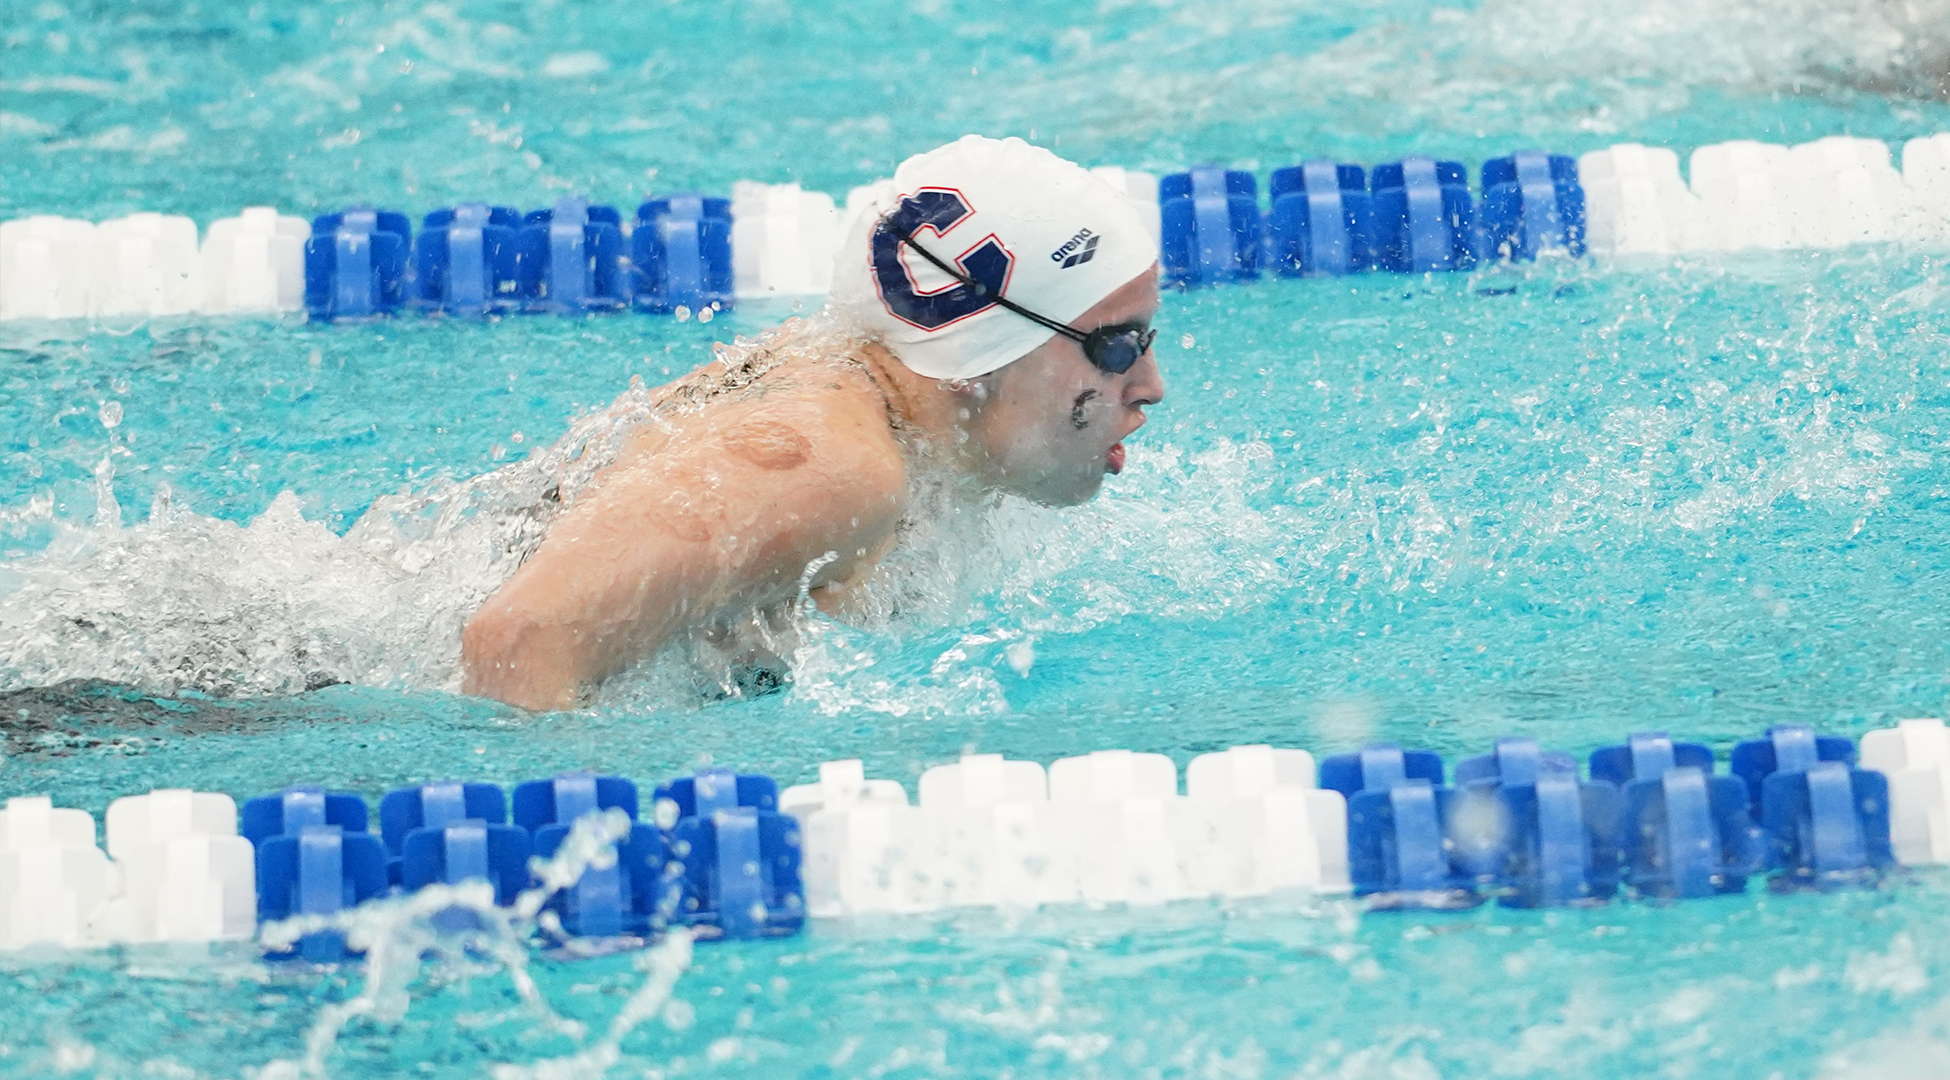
{"points": [[723, 511]]}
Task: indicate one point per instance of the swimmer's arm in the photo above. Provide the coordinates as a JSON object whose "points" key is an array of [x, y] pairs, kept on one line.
{"points": [[667, 541]]}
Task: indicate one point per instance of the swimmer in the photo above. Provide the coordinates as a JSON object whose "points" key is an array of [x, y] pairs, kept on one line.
{"points": [[999, 302]]}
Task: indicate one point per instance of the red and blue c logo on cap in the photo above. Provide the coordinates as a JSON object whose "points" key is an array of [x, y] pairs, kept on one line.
{"points": [[935, 211]]}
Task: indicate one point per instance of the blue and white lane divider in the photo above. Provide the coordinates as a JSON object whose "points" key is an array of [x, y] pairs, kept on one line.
{"points": [[733, 857], [696, 254]]}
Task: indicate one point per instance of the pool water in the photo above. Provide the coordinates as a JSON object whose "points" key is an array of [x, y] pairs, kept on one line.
{"points": [[1572, 500]]}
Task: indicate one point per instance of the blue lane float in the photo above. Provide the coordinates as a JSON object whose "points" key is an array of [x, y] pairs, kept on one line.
{"points": [[1478, 825], [1210, 225], [466, 849], [740, 855], [559, 801], [403, 810], [707, 792], [1396, 820], [572, 259], [1686, 833], [1377, 767], [1321, 220], [1647, 756], [318, 870], [741, 873], [1785, 748], [466, 261], [296, 807], [1424, 218], [1561, 847], [1521, 826], [434, 805], [355, 264], [1826, 824], [681, 248], [1515, 760], [635, 896], [1532, 203], [1395, 845], [630, 896], [314, 857]]}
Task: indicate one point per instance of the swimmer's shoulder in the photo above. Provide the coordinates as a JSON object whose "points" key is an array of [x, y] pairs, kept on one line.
{"points": [[714, 393], [812, 419], [818, 466], [827, 415]]}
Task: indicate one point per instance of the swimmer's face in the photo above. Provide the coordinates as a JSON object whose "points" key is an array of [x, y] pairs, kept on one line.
{"points": [[1053, 423]]}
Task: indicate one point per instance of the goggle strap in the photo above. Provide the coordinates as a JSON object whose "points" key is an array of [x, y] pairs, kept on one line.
{"points": [[1081, 337], [982, 290]]}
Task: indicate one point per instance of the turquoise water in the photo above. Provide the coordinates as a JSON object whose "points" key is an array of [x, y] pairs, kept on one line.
{"points": [[1571, 501]]}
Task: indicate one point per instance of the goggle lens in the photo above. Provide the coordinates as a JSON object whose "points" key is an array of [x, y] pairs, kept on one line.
{"points": [[1116, 348]]}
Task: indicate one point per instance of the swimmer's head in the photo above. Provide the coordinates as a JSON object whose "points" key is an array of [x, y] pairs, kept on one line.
{"points": [[979, 264], [1017, 220]]}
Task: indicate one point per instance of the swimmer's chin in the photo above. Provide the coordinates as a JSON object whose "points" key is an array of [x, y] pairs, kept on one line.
{"points": [[1073, 486], [1088, 487]]}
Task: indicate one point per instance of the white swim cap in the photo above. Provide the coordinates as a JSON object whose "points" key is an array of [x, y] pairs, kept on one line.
{"points": [[1023, 222]]}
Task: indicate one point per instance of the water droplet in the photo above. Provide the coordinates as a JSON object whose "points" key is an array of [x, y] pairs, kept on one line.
{"points": [[111, 414], [683, 313], [679, 1015]]}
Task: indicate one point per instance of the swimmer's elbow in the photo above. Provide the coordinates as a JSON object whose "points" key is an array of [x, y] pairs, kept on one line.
{"points": [[480, 642], [503, 657]]}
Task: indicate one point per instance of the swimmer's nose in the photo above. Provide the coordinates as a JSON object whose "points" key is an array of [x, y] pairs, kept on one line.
{"points": [[1144, 384]]}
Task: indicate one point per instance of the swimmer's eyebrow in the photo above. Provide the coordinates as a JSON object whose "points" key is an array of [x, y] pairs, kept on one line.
{"points": [[1076, 410]]}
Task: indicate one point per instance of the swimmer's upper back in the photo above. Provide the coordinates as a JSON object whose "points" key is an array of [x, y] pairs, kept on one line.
{"points": [[725, 501]]}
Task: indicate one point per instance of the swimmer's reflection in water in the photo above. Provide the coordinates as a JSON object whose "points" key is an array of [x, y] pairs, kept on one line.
{"points": [[1002, 299]]}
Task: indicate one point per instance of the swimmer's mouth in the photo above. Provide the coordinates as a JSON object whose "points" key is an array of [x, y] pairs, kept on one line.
{"points": [[1114, 461]]}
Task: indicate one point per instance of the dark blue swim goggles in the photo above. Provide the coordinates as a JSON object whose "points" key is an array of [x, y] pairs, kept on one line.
{"points": [[1112, 348]]}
